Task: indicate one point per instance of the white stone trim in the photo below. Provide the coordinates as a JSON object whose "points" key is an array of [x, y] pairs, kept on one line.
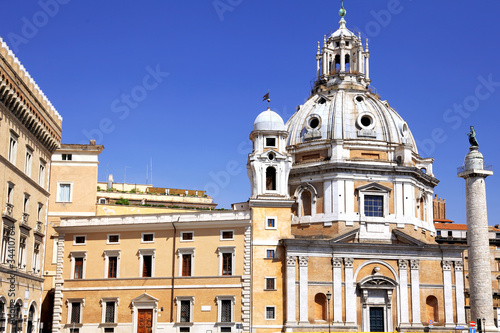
{"points": [[225, 249], [148, 252], [111, 253], [182, 251], [78, 254], [103, 301]]}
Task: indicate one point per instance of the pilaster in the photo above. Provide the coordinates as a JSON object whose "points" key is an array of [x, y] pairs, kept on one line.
{"points": [[290, 290], [448, 294], [350, 297], [303, 287], [415, 292], [57, 326], [403, 292], [337, 289], [459, 292]]}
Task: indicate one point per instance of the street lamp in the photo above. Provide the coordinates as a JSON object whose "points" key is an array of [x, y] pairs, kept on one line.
{"points": [[328, 298]]}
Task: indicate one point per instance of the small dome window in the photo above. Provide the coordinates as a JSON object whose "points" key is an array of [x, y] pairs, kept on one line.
{"points": [[322, 100], [366, 121], [271, 156], [359, 99], [314, 122]]}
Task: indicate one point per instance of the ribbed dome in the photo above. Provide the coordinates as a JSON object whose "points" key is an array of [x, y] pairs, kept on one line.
{"points": [[269, 121], [356, 116]]}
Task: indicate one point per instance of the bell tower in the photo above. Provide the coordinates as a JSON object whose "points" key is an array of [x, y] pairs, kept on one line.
{"points": [[269, 163]]}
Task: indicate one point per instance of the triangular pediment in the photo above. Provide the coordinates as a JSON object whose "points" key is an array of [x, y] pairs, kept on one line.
{"points": [[144, 298], [374, 187], [406, 239], [347, 237]]}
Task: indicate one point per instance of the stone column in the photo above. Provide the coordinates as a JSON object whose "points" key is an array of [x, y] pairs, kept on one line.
{"points": [[415, 292], [350, 297], [327, 197], [337, 290], [303, 295], [481, 299], [448, 294], [403, 292], [342, 56], [459, 292], [290, 290]]}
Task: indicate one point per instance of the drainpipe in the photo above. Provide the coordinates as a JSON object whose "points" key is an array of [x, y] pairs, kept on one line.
{"points": [[173, 275]]}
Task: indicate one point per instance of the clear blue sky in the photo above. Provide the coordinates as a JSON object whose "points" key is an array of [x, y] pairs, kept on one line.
{"points": [[214, 60]]}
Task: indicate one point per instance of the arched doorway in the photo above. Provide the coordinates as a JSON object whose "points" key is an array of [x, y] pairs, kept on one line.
{"points": [[31, 320], [376, 301]]}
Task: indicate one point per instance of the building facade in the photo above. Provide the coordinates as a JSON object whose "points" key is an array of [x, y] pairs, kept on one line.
{"points": [[30, 131]]}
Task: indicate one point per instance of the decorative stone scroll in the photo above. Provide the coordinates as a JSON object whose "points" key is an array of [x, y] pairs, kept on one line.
{"points": [[446, 265], [303, 261], [348, 262]]}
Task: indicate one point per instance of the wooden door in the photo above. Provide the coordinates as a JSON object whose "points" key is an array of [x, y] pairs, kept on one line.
{"points": [[144, 321]]}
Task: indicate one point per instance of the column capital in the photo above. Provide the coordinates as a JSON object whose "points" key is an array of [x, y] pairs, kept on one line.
{"points": [[446, 265], [303, 260], [415, 264], [290, 260], [459, 265], [336, 262], [403, 264], [348, 262]]}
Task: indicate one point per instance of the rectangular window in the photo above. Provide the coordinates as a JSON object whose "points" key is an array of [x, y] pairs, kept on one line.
{"points": [[270, 142], [270, 312], [186, 265], [75, 312], [148, 238], [67, 157], [497, 262], [28, 161], [109, 329], [187, 236], [227, 264], [112, 267], [225, 329], [374, 205], [147, 265], [113, 239], [110, 312], [227, 235], [64, 192], [184, 329], [39, 212], [36, 256], [41, 174], [12, 148], [185, 311], [78, 268], [5, 242], [269, 254], [10, 193], [438, 232], [79, 240], [26, 201], [270, 223], [225, 311], [270, 283], [22, 253]]}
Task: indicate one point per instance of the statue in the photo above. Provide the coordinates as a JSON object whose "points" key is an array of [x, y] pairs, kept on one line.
{"points": [[472, 137]]}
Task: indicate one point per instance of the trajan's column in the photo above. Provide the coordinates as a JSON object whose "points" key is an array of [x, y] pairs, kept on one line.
{"points": [[481, 297]]}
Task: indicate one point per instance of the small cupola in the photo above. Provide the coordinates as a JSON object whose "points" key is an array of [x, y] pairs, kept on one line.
{"points": [[342, 59], [269, 163]]}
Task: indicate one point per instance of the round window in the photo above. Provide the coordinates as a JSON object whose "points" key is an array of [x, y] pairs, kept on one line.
{"points": [[359, 98], [366, 121], [314, 122], [271, 156]]}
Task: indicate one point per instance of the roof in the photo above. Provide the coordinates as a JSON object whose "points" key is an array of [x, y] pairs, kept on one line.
{"points": [[450, 226]]}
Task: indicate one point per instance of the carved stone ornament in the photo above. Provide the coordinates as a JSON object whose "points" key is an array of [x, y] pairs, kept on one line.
{"points": [[403, 263], [446, 265], [290, 260], [303, 261], [337, 262], [348, 262], [459, 265], [414, 263]]}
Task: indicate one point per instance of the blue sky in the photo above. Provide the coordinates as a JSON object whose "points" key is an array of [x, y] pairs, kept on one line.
{"points": [[180, 82]]}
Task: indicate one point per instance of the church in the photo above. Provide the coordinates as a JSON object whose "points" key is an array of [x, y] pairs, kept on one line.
{"points": [[338, 232]]}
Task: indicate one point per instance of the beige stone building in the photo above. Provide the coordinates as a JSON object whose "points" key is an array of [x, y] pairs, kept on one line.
{"points": [[30, 131]]}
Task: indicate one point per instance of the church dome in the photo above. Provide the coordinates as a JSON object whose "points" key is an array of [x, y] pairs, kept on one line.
{"points": [[269, 121], [355, 116]]}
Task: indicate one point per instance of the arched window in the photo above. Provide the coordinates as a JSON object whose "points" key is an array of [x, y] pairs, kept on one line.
{"points": [[320, 306], [17, 322], [347, 63], [337, 63], [31, 318], [271, 179], [431, 308], [306, 203]]}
